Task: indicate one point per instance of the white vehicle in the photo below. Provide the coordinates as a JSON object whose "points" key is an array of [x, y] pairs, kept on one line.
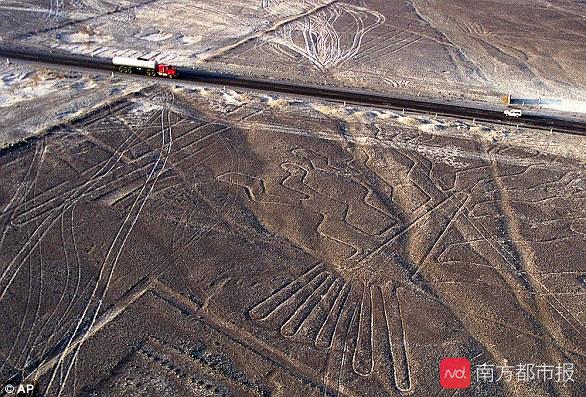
{"points": [[513, 113]]}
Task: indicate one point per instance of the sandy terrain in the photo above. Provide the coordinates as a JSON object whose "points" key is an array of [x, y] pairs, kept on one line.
{"points": [[151, 27], [435, 48], [159, 239], [207, 242], [33, 99]]}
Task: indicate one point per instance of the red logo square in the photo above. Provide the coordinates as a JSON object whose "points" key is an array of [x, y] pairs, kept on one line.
{"points": [[455, 373]]}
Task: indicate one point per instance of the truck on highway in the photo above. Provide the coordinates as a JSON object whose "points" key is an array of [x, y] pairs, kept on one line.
{"points": [[144, 66]]}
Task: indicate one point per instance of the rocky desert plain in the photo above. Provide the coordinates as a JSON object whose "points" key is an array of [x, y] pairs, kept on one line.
{"points": [[160, 238]]}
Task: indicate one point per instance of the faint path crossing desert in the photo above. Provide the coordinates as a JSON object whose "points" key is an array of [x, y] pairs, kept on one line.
{"points": [[219, 51], [108, 266], [323, 43]]}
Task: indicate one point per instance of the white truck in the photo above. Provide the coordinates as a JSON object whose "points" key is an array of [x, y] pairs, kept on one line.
{"points": [[144, 66]]}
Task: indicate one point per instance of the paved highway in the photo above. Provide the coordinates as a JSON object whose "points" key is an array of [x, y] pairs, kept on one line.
{"points": [[467, 111]]}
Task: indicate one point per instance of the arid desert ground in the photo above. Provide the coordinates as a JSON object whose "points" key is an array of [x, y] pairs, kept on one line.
{"points": [[165, 239], [443, 48]]}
